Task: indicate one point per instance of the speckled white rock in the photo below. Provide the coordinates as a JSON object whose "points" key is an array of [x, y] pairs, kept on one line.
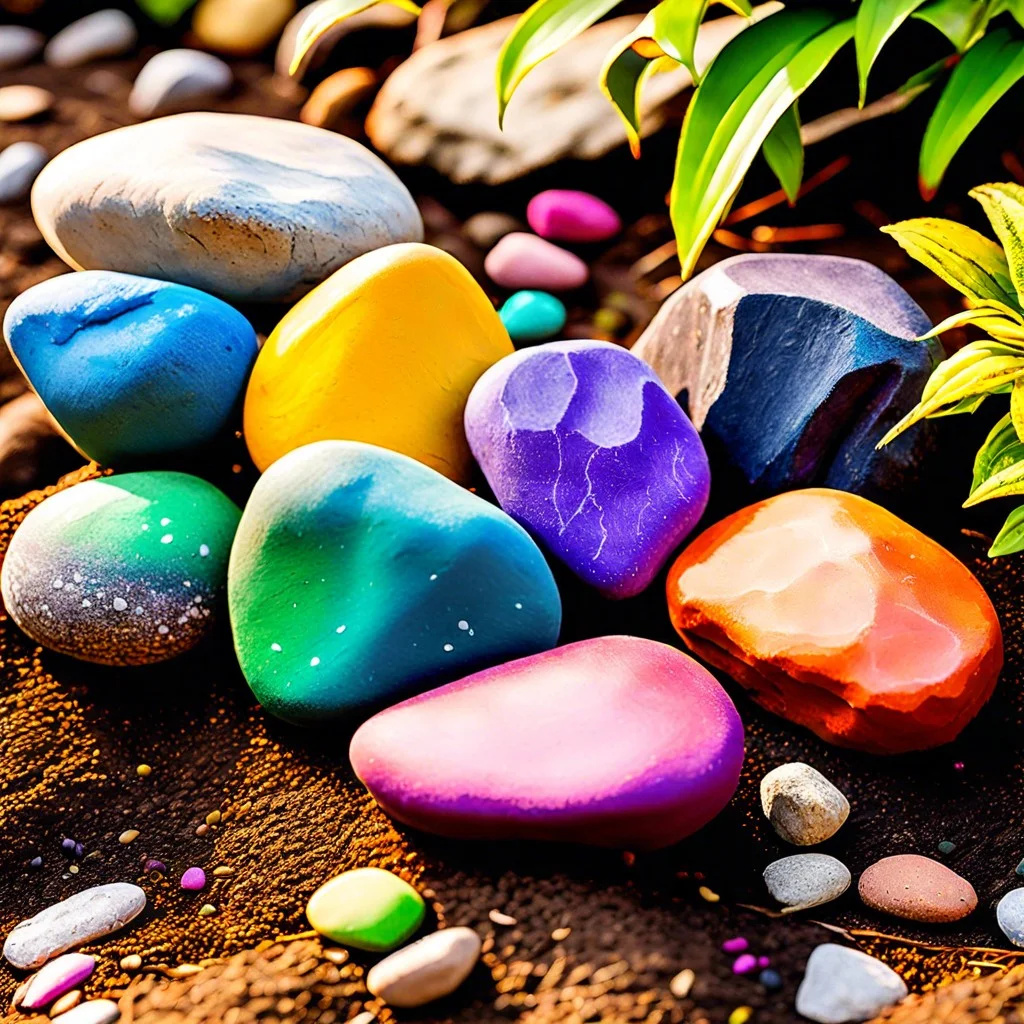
{"points": [[1010, 916], [20, 164], [106, 33], [802, 805], [426, 970], [843, 984], [806, 880], [95, 1011], [176, 80], [246, 207], [87, 915], [18, 45]]}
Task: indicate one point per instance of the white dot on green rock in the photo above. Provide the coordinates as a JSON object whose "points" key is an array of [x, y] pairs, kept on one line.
{"points": [[449, 647], [313, 662], [204, 550], [165, 521], [340, 629], [275, 647], [167, 538]]}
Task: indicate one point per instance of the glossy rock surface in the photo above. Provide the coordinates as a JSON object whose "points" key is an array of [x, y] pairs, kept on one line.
{"points": [[130, 366], [795, 367], [842, 618], [386, 351], [508, 753], [359, 575], [123, 570], [582, 444], [242, 206]]}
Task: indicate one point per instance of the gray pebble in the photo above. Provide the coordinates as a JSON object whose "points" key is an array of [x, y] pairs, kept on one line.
{"points": [[87, 915], [20, 162], [95, 1011], [427, 970], [18, 45], [177, 80], [1010, 916], [106, 33], [843, 984], [806, 880], [802, 805]]}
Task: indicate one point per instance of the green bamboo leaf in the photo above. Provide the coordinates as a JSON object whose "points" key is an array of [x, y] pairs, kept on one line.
{"points": [[965, 405], [962, 22], [752, 82], [1003, 484], [785, 153], [1004, 206], [1010, 538], [1000, 450], [326, 16], [964, 258], [543, 28], [877, 20], [166, 12], [983, 76]]}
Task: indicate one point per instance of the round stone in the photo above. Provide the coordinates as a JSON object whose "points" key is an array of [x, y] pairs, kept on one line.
{"points": [[176, 80], [367, 909], [1010, 916], [55, 978], [566, 215], [194, 879], [106, 33], [806, 880], [242, 206], [802, 805], [94, 1011], [522, 260], [532, 316], [917, 888], [337, 96], [843, 984], [429, 969], [122, 570], [21, 102], [240, 27], [20, 164], [18, 45]]}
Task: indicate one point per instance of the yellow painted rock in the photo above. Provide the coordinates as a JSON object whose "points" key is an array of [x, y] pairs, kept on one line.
{"points": [[385, 351], [240, 27]]}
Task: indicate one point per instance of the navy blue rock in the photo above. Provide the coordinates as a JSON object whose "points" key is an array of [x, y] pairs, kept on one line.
{"points": [[129, 366], [795, 366]]}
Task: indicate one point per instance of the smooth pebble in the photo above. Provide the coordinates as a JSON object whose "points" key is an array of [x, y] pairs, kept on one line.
{"points": [[106, 33], [20, 163], [18, 45], [55, 978], [843, 984], [193, 879], [487, 228], [532, 316], [806, 880], [566, 215], [429, 969], [95, 1011], [337, 96], [240, 27], [802, 805], [917, 888], [176, 80], [66, 1002], [21, 102], [1010, 916], [522, 260]]}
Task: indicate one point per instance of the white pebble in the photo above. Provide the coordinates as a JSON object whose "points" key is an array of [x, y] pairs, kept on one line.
{"points": [[18, 45], [802, 805], [429, 969], [95, 1011], [177, 80], [843, 984], [806, 880], [107, 33], [1010, 916]]}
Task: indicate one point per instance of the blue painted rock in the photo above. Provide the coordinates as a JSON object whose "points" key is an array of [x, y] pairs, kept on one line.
{"points": [[582, 444], [797, 366], [246, 207], [129, 366], [359, 574], [509, 753], [121, 570]]}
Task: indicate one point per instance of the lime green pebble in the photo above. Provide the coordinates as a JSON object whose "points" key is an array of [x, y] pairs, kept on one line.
{"points": [[532, 316], [366, 908]]}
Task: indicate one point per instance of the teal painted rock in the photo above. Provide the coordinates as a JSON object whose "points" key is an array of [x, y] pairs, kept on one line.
{"points": [[532, 316], [359, 575], [123, 570]]}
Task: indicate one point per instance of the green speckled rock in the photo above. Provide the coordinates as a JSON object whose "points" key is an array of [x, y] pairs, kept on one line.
{"points": [[123, 570]]}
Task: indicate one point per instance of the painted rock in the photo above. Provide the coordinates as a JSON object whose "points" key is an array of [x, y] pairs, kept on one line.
{"points": [[247, 207], [508, 753], [802, 805], [521, 260], [106, 33], [358, 575], [917, 888], [582, 444], [20, 164], [367, 909], [532, 316], [566, 215], [795, 366], [92, 1011], [806, 880], [57, 977], [843, 984], [122, 570], [350, 362], [176, 80], [842, 618], [240, 27], [18, 45], [1010, 916], [429, 969], [129, 366], [79, 919]]}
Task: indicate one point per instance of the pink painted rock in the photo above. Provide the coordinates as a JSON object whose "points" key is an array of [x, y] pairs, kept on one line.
{"points": [[917, 888], [522, 260], [56, 978], [615, 741], [566, 215]]}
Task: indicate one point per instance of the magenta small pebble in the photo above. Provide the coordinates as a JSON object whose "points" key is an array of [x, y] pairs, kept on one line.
{"points": [[764, 961], [194, 879], [744, 964], [737, 945], [567, 215]]}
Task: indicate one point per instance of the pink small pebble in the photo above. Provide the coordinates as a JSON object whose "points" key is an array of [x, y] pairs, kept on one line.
{"points": [[194, 878], [737, 945], [764, 961], [521, 260], [570, 216], [744, 964], [56, 978]]}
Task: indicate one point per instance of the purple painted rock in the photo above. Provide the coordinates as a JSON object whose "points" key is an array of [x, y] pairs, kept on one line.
{"points": [[569, 216], [522, 260], [615, 741], [56, 978], [582, 444]]}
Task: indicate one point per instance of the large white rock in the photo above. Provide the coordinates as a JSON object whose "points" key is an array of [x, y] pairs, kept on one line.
{"points": [[842, 985], [246, 207]]}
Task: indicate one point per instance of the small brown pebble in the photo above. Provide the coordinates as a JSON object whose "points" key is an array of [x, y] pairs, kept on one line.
{"points": [[917, 888], [501, 919], [132, 962], [68, 1001], [337, 96], [202, 829], [708, 894], [128, 836], [223, 871], [559, 934], [20, 102]]}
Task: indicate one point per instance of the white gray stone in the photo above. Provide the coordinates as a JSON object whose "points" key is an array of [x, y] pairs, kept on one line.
{"points": [[95, 1011], [843, 984], [106, 33], [87, 915], [1010, 916], [176, 80], [18, 45], [806, 880], [802, 805], [429, 969], [20, 163], [245, 207]]}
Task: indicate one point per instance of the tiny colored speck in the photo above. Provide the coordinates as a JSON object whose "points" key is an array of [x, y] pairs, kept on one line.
{"points": [[207, 909], [463, 624], [204, 550], [946, 846], [737, 945], [770, 979], [313, 662], [1020, 868], [744, 964], [144, 770], [764, 961], [120, 604], [741, 1015], [275, 647], [433, 576], [340, 629], [165, 521], [193, 879], [449, 647], [519, 606], [154, 865], [958, 765], [36, 862], [128, 836], [167, 538]]}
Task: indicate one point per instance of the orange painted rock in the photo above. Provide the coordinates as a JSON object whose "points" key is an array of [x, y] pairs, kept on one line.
{"points": [[842, 618], [917, 888]]}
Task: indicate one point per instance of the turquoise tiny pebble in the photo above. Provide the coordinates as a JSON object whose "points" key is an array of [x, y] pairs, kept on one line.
{"points": [[532, 316], [1020, 868], [946, 846]]}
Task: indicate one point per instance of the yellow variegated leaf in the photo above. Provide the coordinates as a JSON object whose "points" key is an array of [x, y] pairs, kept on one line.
{"points": [[1004, 206], [1017, 408], [1000, 450], [988, 318], [1010, 538]]}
